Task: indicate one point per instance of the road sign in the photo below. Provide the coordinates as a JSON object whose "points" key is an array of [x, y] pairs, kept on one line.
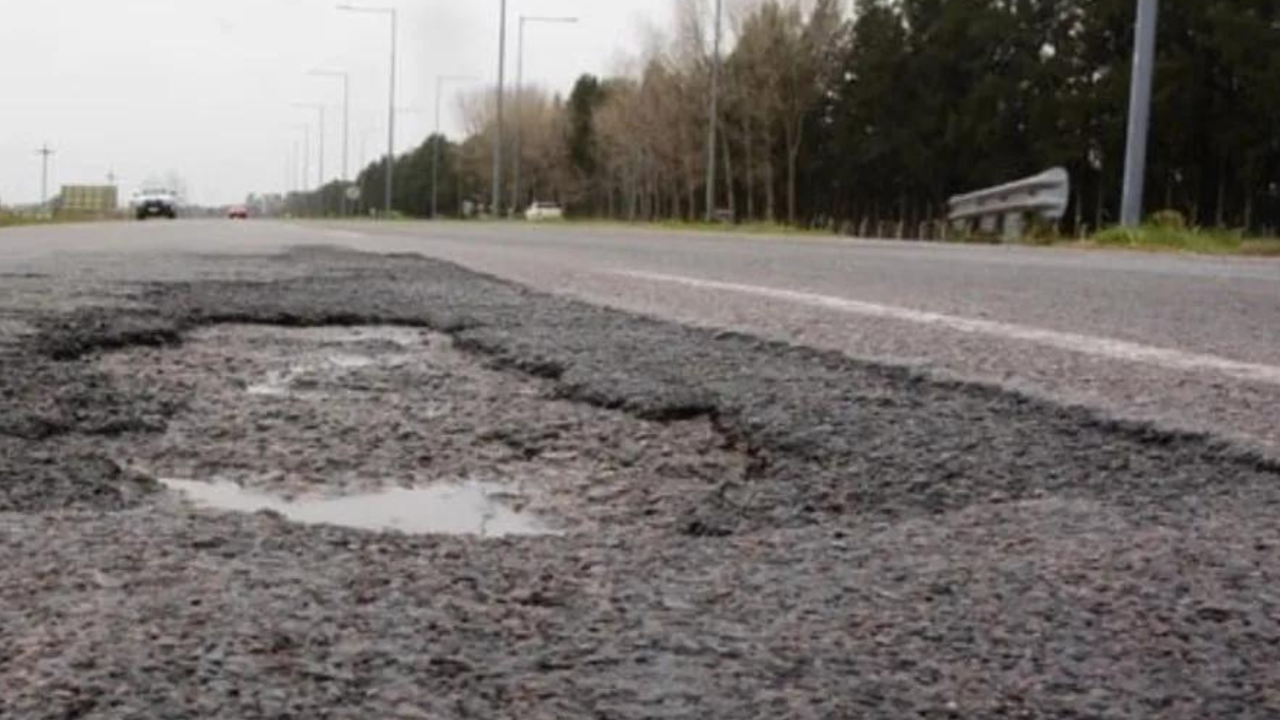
{"points": [[353, 193]]}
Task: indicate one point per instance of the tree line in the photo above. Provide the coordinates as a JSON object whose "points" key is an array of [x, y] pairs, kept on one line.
{"points": [[877, 114]]}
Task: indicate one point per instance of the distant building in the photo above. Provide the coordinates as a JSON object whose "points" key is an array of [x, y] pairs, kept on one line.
{"points": [[89, 199]]}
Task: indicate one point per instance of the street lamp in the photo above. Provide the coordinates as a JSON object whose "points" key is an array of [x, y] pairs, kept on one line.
{"points": [[496, 198], [305, 185], [45, 152], [714, 116], [1135, 159], [441, 80], [319, 109], [305, 158], [516, 200], [391, 106], [346, 126]]}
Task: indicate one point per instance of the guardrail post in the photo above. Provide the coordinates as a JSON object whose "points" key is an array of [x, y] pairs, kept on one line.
{"points": [[1005, 208]]}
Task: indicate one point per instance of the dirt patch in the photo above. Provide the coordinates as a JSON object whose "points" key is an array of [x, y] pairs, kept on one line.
{"points": [[327, 412]]}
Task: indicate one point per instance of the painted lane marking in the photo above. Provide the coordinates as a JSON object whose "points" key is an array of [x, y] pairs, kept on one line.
{"points": [[1074, 342]]}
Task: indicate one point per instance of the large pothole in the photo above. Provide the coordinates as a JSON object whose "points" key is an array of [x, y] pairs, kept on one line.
{"points": [[394, 428]]}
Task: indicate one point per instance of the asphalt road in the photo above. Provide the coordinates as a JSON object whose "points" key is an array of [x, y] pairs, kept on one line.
{"points": [[1186, 342], [716, 525]]}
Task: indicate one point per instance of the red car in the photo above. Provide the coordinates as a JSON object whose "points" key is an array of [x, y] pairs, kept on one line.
{"points": [[238, 212]]}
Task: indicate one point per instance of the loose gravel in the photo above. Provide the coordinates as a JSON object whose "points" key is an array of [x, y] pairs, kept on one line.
{"points": [[751, 529]]}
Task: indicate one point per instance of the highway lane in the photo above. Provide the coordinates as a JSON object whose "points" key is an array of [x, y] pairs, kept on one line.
{"points": [[1184, 341], [755, 516]]}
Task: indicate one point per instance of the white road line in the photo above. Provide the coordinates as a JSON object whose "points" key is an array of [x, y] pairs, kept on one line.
{"points": [[345, 234], [1085, 344]]}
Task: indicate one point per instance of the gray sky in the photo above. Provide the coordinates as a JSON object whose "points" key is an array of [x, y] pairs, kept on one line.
{"points": [[204, 88]]}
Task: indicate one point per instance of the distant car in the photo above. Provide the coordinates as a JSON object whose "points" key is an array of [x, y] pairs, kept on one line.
{"points": [[155, 203], [239, 212], [544, 211]]}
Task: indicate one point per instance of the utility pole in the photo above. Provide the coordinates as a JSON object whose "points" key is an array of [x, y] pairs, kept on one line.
{"points": [[1135, 160], [45, 152], [497, 140], [496, 198], [516, 200], [714, 116], [391, 106], [306, 157], [346, 128]]}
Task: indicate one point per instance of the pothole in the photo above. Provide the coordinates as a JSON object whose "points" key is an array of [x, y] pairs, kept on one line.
{"points": [[472, 508], [344, 423]]}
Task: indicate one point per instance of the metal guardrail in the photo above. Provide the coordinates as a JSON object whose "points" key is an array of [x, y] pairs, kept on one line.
{"points": [[1005, 207]]}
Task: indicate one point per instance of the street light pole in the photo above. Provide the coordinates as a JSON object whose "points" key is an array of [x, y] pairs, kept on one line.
{"points": [[516, 201], [319, 109], [441, 80], [306, 157], [45, 152], [1135, 161], [496, 198], [714, 116], [346, 128], [391, 106]]}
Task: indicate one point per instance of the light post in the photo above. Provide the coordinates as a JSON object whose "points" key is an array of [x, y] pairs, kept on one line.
{"points": [[306, 156], [346, 127], [516, 200], [1135, 159], [496, 196], [319, 109], [290, 168], [45, 152], [391, 105], [441, 81], [713, 116]]}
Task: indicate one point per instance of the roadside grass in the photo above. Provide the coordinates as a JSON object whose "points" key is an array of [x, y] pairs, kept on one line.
{"points": [[8, 219], [753, 228], [12, 220], [1153, 237], [1163, 238], [756, 228]]}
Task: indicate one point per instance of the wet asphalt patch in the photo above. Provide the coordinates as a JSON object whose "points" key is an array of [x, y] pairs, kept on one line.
{"points": [[331, 417], [753, 529]]}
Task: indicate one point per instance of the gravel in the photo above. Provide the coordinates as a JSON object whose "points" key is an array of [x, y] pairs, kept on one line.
{"points": [[752, 529]]}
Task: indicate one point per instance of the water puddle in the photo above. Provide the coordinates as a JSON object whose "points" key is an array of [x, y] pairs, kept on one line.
{"points": [[472, 508], [282, 383]]}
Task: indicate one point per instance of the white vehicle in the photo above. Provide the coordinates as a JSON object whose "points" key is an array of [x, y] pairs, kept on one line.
{"points": [[155, 203], [544, 211]]}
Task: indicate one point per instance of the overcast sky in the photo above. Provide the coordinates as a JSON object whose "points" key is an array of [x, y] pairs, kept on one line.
{"points": [[204, 88]]}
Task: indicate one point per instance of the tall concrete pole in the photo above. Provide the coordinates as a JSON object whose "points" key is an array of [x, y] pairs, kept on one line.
{"points": [[515, 161], [306, 158], [391, 121], [516, 200], [391, 111], [346, 138], [1135, 161], [496, 197], [714, 116], [45, 152], [346, 128], [319, 110], [320, 170]]}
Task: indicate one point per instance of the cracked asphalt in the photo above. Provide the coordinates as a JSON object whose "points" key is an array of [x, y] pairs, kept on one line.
{"points": [[752, 528]]}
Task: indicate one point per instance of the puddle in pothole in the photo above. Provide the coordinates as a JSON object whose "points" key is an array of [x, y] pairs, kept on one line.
{"points": [[471, 508], [282, 383]]}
